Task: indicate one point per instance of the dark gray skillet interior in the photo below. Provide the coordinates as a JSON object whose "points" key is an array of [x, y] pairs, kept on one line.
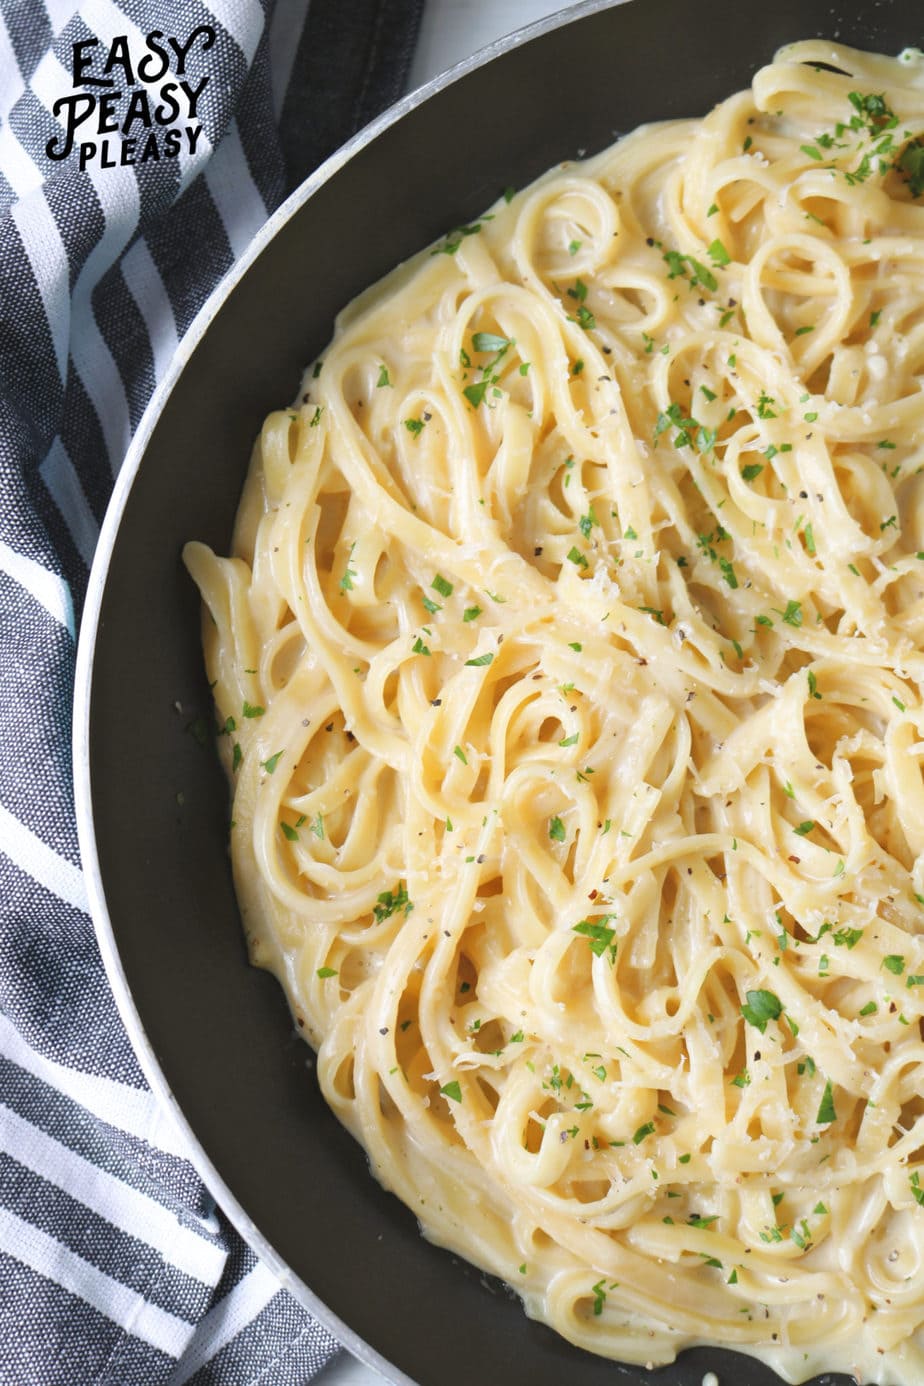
{"points": [[220, 1031]]}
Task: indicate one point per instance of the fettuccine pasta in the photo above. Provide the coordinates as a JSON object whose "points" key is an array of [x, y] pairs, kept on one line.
{"points": [[568, 670]]}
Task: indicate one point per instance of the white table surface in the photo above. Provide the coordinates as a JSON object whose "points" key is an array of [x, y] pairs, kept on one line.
{"points": [[451, 30]]}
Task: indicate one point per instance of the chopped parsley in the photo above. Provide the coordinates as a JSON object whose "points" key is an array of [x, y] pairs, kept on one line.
{"points": [[349, 573], [390, 902], [476, 393], [689, 431], [584, 317], [455, 238], [761, 1006], [706, 542], [489, 341], [873, 120], [485, 342], [826, 1111], [686, 267], [728, 574], [910, 164], [599, 936]]}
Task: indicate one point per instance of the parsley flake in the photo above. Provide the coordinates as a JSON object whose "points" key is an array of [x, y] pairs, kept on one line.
{"points": [[826, 1111], [390, 902], [599, 936], [489, 341], [761, 1006]]}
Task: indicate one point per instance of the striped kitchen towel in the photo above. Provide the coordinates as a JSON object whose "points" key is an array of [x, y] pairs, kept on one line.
{"points": [[142, 143]]}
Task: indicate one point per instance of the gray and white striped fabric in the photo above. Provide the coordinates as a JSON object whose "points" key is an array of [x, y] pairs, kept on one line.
{"points": [[116, 1266]]}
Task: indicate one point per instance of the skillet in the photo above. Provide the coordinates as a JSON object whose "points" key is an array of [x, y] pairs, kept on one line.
{"points": [[214, 1037]]}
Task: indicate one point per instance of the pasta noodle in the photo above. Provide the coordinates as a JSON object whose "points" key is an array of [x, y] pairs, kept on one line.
{"points": [[568, 674]]}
